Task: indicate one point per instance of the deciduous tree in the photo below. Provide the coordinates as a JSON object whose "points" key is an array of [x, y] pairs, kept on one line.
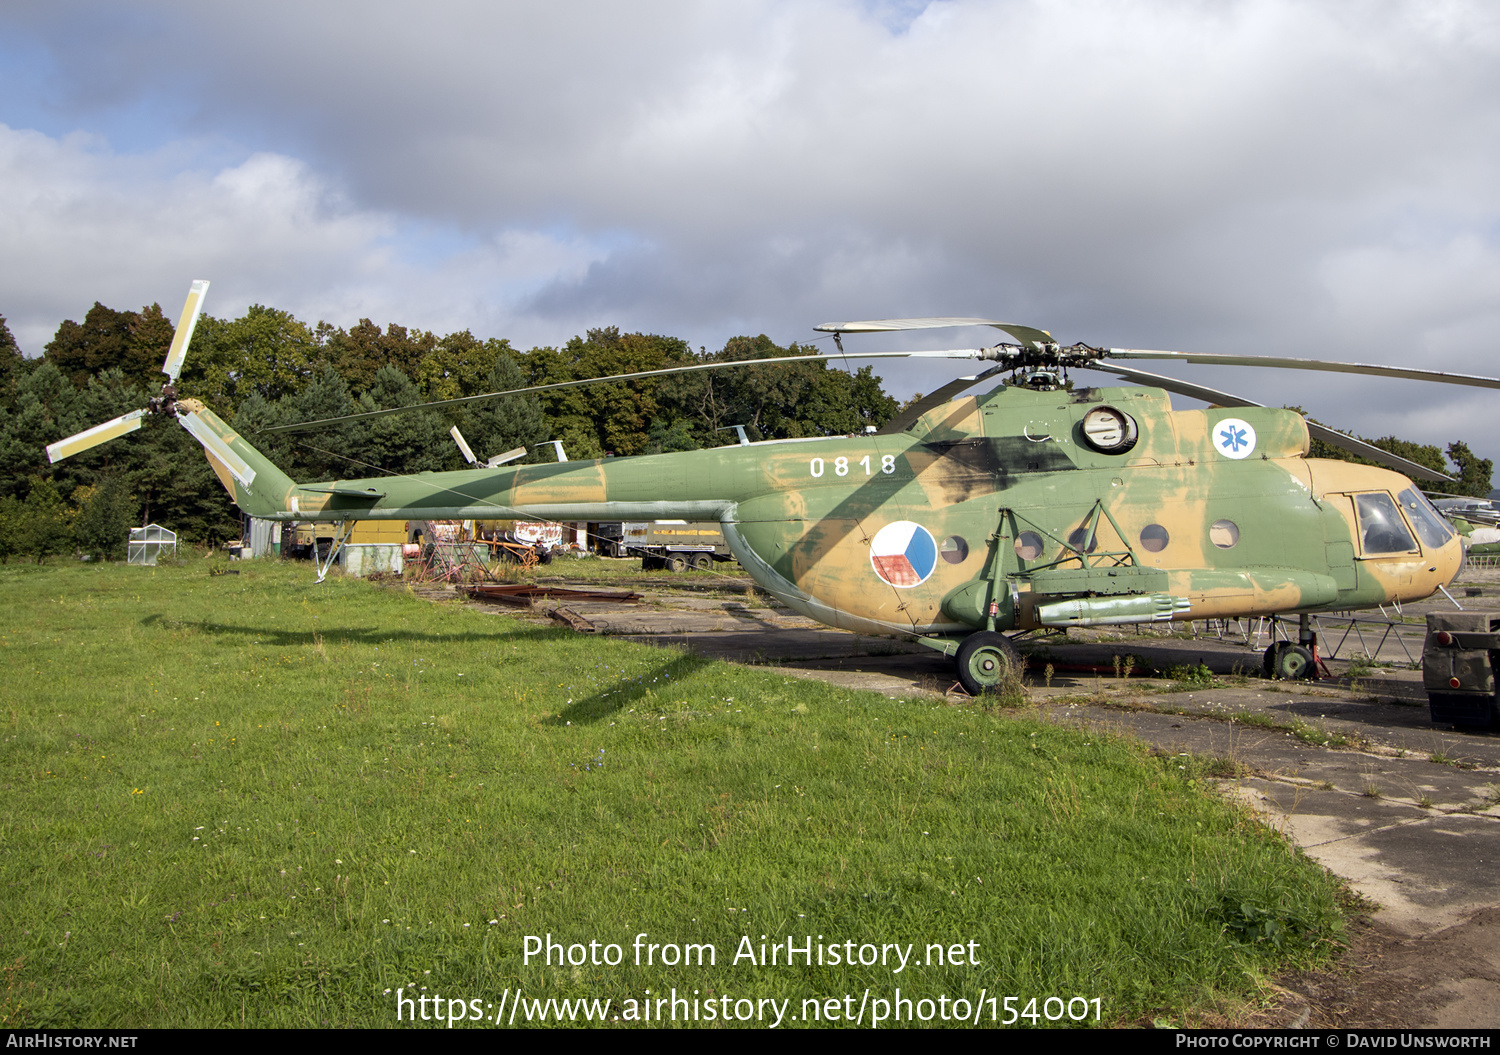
{"points": [[264, 351]]}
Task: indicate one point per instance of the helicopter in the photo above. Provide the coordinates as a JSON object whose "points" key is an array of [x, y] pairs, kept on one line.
{"points": [[1033, 505]]}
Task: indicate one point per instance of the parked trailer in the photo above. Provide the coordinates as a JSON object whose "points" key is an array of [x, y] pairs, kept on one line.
{"points": [[676, 544]]}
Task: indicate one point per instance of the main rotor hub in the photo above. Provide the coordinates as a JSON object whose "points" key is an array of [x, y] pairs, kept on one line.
{"points": [[165, 401], [1043, 356], [1042, 380], [1043, 367]]}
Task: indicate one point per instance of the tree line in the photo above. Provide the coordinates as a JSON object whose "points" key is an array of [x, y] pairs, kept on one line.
{"points": [[268, 368], [1471, 474]]}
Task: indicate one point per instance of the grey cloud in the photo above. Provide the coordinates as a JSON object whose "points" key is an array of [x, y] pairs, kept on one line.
{"points": [[1300, 178]]}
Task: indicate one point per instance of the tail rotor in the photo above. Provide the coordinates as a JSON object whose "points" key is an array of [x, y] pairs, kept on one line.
{"points": [[166, 402]]}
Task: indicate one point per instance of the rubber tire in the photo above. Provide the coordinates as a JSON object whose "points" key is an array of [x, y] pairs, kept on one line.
{"points": [[1450, 702], [675, 564], [1293, 663], [703, 562], [1268, 661], [983, 659]]}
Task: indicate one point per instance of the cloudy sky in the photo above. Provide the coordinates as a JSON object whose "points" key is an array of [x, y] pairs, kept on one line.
{"points": [[1291, 178]]}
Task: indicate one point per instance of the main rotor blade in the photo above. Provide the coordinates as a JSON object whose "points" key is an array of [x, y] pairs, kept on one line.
{"points": [[463, 447], [950, 353], [902, 421], [508, 456], [112, 429], [185, 326], [1329, 436], [1026, 334], [1220, 359]]}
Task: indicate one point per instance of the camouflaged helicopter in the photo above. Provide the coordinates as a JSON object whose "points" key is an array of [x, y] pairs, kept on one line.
{"points": [[1033, 505]]}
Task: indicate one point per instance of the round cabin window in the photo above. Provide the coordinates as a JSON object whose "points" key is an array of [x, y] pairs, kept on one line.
{"points": [[1029, 545], [1154, 538], [1224, 533], [954, 550]]}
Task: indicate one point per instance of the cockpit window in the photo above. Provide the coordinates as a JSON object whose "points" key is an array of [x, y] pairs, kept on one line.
{"points": [[1381, 529], [1430, 525]]}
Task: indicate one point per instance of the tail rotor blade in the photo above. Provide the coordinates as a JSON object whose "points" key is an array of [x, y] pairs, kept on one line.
{"points": [[127, 423], [190, 312], [218, 449], [110, 430]]}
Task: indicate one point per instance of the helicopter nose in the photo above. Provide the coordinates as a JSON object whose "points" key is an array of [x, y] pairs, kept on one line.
{"points": [[1449, 562]]}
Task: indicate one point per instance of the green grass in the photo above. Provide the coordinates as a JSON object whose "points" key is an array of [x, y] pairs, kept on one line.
{"points": [[1192, 676], [1308, 733], [249, 799]]}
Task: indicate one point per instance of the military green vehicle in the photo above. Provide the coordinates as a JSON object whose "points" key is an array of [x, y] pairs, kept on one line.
{"points": [[1026, 507], [1458, 668]]}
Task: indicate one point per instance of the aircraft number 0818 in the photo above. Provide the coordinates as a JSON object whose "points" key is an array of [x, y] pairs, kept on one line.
{"points": [[841, 465]]}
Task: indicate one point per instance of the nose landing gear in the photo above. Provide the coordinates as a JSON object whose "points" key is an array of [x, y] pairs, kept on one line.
{"points": [[1285, 661]]}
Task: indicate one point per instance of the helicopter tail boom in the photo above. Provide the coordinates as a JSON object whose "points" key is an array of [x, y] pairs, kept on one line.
{"points": [[255, 484]]}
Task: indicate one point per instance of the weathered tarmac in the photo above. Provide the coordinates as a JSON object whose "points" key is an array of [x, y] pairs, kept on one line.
{"points": [[1350, 767]]}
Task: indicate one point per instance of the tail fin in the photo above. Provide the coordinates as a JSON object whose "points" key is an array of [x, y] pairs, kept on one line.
{"points": [[256, 485]]}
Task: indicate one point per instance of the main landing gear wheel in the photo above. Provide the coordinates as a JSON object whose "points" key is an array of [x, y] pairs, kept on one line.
{"points": [[1286, 661], [984, 660]]}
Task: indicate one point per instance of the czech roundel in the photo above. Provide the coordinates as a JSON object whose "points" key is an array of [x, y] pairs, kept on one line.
{"points": [[903, 553]]}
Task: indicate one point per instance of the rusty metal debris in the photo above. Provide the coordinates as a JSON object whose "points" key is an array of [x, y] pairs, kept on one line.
{"points": [[456, 562], [574, 620], [522, 594]]}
